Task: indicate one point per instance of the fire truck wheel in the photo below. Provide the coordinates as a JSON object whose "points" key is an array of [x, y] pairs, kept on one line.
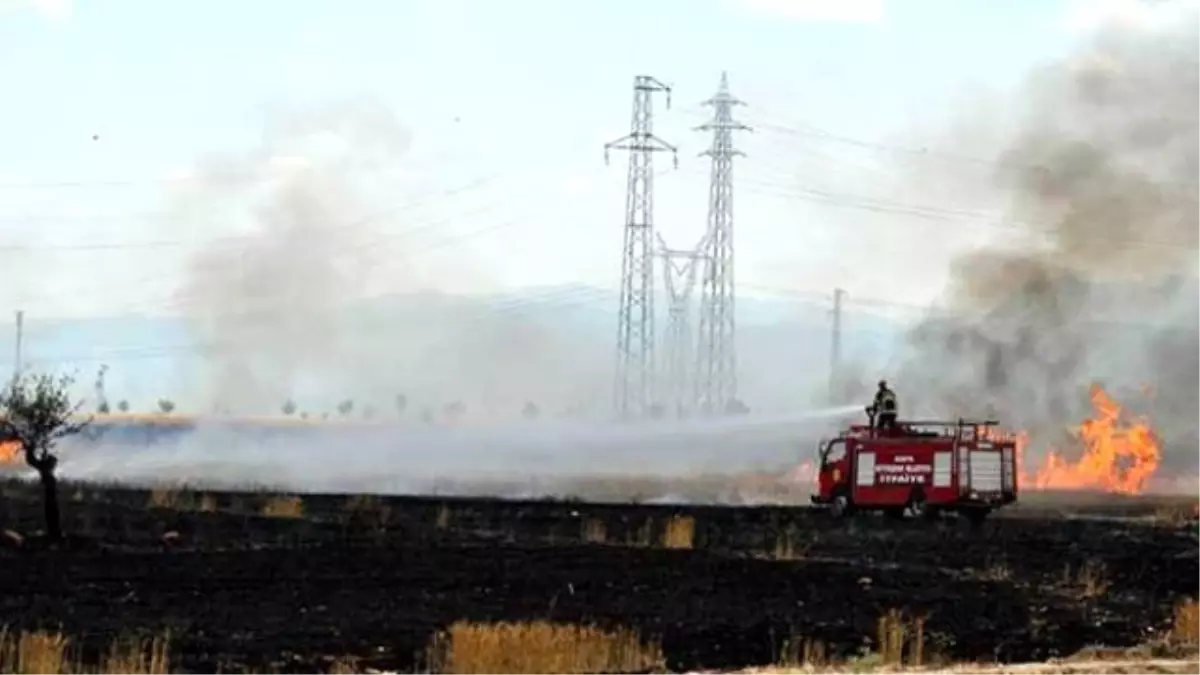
{"points": [[918, 506], [975, 516], [841, 506]]}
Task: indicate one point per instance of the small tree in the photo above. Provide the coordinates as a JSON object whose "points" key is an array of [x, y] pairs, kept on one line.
{"points": [[102, 406], [454, 410], [530, 411], [123, 406], [736, 407], [289, 407], [166, 405], [37, 412], [345, 407], [401, 404], [368, 412]]}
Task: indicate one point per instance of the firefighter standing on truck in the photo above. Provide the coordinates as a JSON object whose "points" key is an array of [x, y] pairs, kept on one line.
{"points": [[884, 407]]}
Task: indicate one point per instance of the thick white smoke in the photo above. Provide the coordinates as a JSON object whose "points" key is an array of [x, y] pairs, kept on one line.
{"points": [[540, 457]]}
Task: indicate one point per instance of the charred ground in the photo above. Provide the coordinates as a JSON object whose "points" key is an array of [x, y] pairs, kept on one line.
{"points": [[374, 577]]}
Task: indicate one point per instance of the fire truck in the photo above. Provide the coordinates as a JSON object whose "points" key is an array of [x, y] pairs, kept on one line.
{"points": [[925, 469]]}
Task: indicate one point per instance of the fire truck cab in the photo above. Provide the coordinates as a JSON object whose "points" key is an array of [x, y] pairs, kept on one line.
{"points": [[923, 468]]}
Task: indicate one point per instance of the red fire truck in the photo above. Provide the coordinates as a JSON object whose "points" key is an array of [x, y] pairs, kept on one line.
{"points": [[922, 468]]}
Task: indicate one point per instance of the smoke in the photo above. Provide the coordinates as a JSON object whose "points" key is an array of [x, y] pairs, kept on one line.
{"points": [[531, 458], [1102, 173], [315, 291]]}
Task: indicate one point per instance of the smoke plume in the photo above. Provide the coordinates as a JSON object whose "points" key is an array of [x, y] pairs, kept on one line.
{"points": [[317, 292], [1102, 171]]}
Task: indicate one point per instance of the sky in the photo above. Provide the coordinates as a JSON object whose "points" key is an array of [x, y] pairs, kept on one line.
{"points": [[184, 158], [504, 108]]}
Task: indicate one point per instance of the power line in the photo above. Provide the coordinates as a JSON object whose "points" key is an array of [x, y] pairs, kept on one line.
{"points": [[807, 130], [557, 299], [394, 210]]}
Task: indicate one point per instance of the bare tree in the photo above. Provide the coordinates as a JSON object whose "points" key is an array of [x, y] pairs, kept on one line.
{"points": [[530, 411], [37, 412], [166, 406], [736, 407], [102, 406]]}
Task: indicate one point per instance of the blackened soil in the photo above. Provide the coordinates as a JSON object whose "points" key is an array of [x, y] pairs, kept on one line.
{"points": [[239, 590]]}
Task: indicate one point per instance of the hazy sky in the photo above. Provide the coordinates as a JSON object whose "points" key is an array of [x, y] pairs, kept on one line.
{"points": [[109, 105]]}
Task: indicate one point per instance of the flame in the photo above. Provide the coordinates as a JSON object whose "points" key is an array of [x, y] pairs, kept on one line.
{"points": [[1119, 455], [10, 452]]}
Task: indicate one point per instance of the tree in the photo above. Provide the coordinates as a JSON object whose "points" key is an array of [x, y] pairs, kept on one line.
{"points": [[401, 404], [368, 412], [37, 412], [123, 406], [530, 411], [166, 405], [289, 407], [102, 406], [345, 407], [736, 407]]}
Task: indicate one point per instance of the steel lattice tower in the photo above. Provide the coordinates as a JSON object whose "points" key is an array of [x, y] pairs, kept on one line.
{"points": [[716, 383], [679, 278], [634, 390]]}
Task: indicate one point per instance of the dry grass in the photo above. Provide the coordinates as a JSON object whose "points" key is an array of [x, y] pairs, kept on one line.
{"points": [[789, 546], [166, 499], [367, 511], [1185, 630], [33, 652], [540, 647], [900, 642], [643, 537], [594, 531], [284, 507], [680, 532], [443, 517], [1091, 580], [997, 571], [181, 500], [345, 665], [798, 652], [1176, 514], [44, 652]]}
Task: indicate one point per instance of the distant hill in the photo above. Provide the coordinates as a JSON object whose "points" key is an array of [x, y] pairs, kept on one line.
{"points": [[784, 345]]}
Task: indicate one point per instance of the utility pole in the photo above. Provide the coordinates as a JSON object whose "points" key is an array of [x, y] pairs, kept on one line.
{"points": [[716, 384], [679, 277], [835, 347], [20, 337], [633, 392]]}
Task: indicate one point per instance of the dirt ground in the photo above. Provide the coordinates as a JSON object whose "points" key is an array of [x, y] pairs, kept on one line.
{"points": [[335, 575]]}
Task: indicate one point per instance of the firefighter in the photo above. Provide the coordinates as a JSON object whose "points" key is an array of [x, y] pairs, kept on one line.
{"points": [[885, 407]]}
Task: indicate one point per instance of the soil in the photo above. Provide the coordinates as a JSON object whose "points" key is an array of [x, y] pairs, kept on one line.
{"points": [[376, 577]]}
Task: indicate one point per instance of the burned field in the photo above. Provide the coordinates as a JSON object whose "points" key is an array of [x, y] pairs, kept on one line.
{"points": [[267, 582]]}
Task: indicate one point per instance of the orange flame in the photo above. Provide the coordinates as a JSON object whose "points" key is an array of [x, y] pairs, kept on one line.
{"points": [[10, 452], [1118, 455]]}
